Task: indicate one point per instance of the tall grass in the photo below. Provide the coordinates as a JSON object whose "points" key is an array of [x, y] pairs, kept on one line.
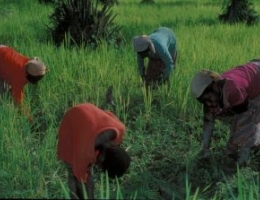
{"points": [[163, 126]]}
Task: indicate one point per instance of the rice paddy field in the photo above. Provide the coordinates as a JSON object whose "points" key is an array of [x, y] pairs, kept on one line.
{"points": [[163, 127]]}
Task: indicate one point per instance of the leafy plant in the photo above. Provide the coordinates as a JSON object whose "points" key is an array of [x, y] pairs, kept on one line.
{"points": [[147, 1], [106, 2], [47, 1], [83, 22], [238, 11]]}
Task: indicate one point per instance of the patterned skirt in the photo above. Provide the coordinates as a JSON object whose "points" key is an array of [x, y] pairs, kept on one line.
{"points": [[244, 128], [154, 71]]}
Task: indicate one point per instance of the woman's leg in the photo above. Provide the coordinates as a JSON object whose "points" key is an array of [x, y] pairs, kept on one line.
{"points": [[72, 184], [2, 87], [86, 190], [154, 72]]}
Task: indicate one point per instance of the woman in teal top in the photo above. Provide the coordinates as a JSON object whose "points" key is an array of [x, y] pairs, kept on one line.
{"points": [[160, 48]]}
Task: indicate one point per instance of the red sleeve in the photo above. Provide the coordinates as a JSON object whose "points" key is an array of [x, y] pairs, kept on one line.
{"points": [[119, 128], [18, 94], [83, 145]]}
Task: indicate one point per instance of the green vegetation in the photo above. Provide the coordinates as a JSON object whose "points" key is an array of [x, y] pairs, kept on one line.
{"points": [[46, 1], [163, 127], [83, 22], [235, 11], [147, 1]]}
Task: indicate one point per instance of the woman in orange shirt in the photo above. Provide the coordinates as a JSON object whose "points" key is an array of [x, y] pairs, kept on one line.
{"points": [[16, 70], [88, 136]]}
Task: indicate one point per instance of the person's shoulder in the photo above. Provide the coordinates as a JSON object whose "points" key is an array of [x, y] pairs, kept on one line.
{"points": [[4, 49], [85, 105], [164, 29], [87, 109]]}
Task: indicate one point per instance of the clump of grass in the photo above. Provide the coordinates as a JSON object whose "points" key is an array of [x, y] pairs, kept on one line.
{"points": [[83, 22], [161, 144], [235, 11]]}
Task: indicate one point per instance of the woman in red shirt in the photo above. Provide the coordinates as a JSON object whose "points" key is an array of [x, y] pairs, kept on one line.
{"points": [[16, 70], [88, 136]]}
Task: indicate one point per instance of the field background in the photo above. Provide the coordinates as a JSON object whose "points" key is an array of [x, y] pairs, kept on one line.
{"points": [[164, 128]]}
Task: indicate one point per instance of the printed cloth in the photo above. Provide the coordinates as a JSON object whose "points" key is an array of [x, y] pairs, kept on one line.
{"points": [[244, 127]]}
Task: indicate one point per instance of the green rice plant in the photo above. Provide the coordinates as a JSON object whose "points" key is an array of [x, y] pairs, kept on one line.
{"points": [[104, 191], [65, 190], [147, 1], [163, 127], [243, 186], [47, 1]]}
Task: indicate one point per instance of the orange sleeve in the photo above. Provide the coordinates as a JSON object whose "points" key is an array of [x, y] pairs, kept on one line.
{"points": [[83, 145], [119, 127], [18, 94], [64, 145]]}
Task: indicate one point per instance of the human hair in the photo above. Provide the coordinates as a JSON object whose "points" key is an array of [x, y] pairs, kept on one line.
{"points": [[33, 79], [116, 161], [208, 89]]}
